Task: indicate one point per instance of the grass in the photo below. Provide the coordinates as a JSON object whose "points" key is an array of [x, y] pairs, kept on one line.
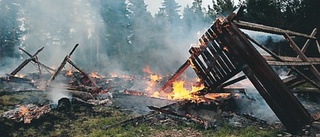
{"points": [[90, 122], [80, 123], [250, 131]]}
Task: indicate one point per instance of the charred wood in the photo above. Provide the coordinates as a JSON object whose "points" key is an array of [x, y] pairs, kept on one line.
{"points": [[24, 63], [138, 119]]}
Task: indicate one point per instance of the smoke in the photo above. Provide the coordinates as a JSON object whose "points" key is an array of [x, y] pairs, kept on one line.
{"points": [[59, 25], [253, 103], [262, 37], [56, 92]]}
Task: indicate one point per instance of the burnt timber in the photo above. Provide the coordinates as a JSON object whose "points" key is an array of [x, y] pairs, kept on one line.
{"points": [[224, 51], [85, 84]]}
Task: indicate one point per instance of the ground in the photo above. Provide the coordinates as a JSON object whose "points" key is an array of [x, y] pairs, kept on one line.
{"points": [[87, 121]]}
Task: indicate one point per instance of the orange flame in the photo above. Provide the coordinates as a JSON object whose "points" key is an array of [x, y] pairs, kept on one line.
{"points": [[153, 80], [147, 69], [69, 72], [181, 92], [95, 75], [23, 110]]}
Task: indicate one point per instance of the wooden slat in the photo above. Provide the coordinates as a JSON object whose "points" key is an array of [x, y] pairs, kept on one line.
{"points": [[268, 29]]}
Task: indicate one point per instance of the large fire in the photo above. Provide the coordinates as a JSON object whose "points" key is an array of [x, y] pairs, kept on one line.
{"points": [[180, 89]]}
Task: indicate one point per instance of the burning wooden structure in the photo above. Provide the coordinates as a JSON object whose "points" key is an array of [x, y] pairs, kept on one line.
{"points": [[84, 82], [225, 51], [14, 77]]}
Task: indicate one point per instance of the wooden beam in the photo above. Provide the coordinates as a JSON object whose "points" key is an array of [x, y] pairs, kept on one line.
{"points": [[37, 61], [306, 45], [82, 72], [302, 55], [63, 63], [264, 48], [290, 59], [268, 29], [184, 66], [306, 78], [280, 99], [232, 82], [24, 63], [279, 63]]}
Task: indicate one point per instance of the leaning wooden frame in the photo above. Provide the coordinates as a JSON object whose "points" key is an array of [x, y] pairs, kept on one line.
{"points": [[224, 51]]}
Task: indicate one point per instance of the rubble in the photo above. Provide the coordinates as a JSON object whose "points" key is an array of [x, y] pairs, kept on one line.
{"points": [[26, 113]]}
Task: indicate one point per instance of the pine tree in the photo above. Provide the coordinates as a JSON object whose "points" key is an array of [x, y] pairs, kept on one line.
{"points": [[170, 12], [142, 35], [116, 19], [9, 32]]}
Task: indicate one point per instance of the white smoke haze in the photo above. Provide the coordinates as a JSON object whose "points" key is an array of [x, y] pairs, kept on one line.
{"points": [[56, 92], [255, 105], [262, 37], [59, 25]]}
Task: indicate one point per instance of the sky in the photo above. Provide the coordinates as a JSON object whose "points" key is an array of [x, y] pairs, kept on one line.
{"points": [[153, 5]]}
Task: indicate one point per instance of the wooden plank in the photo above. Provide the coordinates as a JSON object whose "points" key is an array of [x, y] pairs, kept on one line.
{"points": [[221, 56], [215, 58], [232, 81], [212, 64], [198, 69], [195, 52], [200, 73], [290, 59], [279, 63], [268, 29]]}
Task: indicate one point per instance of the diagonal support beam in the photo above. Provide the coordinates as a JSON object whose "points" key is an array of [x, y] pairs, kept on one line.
{"points": [[24, 63], [306, 45], [302, 55], [306, 78], [184, 66]]}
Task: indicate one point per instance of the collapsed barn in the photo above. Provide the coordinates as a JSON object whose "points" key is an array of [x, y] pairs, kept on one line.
{"points": [[226, 55]]}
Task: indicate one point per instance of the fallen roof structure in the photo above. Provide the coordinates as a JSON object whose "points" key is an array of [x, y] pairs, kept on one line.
{"points": [[225, 51]]}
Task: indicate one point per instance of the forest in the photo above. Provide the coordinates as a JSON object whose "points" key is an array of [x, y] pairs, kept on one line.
{"points": [[124, 36]]}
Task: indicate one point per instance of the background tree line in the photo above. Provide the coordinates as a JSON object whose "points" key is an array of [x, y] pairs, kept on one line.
{"points": [[134, 37]]}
